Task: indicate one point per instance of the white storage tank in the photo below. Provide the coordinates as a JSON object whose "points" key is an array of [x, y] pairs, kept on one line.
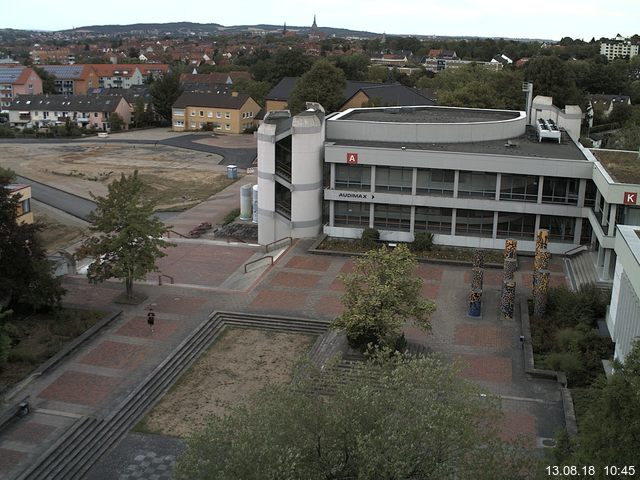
{"points": [[245, 202], [254, 203]]}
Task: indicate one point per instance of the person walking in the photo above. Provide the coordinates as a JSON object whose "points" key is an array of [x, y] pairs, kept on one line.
{"points": [[151, 319]]}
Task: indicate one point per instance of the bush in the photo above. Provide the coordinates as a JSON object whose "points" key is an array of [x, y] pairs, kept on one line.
{"points": [[423, 242], [7, 132], [567, 362], [231, 216], [370, 237]]}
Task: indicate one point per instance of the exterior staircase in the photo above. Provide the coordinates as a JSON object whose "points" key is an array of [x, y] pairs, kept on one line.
{"points": [[582, 271]]}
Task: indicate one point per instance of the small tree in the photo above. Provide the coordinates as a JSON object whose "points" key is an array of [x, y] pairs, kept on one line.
{"points": [[370, 237], [128, 238], [380, 296], [165, 92], [422, 242], [116, 122], [139, 113]]}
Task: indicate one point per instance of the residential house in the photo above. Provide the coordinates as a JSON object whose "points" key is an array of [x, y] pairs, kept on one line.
{"points": [[72, 79], [118, 75], [23, 193], [16, 81], [89, 111], [356, 95], [603, 104], [62, 56], [619, 47], [438, 64], [229, 113], [502, 59]]}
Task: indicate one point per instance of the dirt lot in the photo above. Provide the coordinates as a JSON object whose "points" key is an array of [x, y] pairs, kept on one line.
{"points": [[237, 365], [176, 178]]}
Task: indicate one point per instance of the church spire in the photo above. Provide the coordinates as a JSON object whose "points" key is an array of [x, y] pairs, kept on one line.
{"points": [[315, 25]]}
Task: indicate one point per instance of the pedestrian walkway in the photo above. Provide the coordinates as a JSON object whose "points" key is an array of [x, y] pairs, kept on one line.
{"points": [[95, 379]]}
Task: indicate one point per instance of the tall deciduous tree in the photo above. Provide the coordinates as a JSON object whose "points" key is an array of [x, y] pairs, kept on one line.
{"points": [[26, 276], [380, 295], [48, 80], [551, 77], [165, 92], [394, 417], [128, 239], [323, 83]]}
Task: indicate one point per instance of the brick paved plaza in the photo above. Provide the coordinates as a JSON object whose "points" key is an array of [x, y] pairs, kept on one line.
{"points": [[93, 380]]}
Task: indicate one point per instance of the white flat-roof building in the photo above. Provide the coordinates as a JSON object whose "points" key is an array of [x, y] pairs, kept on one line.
{"points": [[472, 177]]}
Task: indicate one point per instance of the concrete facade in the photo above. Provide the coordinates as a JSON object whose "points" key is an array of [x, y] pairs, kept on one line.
{"points": [[623, 316]]}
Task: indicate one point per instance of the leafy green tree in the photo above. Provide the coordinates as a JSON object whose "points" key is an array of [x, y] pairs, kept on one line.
{"points": [[139, 113], [378, 74], [627, 138], [355, 67], [128, 238], [620, 113], [393, 417], [324, 84], [380, 295], [256, 90], [5, 339], [48, 80], [7, 176], [552, 78], [285, 63], [26, 276], [610, 431], [116, 122], [165, 92]]}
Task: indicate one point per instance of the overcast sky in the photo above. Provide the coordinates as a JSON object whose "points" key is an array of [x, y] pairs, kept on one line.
{"points": [[545, 19]]}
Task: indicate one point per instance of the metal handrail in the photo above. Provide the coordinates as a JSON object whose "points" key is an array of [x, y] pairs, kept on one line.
{"points": [[266, 247], [573, 251], [164, 275], [169, 232], [257, 260]]}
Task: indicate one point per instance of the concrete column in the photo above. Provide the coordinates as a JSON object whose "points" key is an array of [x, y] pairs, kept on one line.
{"points": [[582, 192], [600, 260], [332, 182], [605, 214], [606, 267], [412, 225], [414, 183], [373, 179], [456, 180], [537, 224], [332, 211], [497, 198], [371, 215], [577, 231], [613, 209], [596, 207], [494, 233], [540, 187], [453, 220]]}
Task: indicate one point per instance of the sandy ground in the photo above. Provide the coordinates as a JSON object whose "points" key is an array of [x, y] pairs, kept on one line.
{"points": [[236, 366], [90, 167]]}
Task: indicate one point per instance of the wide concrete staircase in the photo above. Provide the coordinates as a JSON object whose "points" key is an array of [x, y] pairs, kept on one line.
{"points": [[72, 455], [582, 271]]}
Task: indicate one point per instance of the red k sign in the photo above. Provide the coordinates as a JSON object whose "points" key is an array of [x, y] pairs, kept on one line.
{"points": [[352, 158], [630, 198]]}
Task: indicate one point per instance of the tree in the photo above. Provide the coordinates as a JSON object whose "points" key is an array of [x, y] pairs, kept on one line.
{"points": [[116, 122], [552, 78], [393, 417], [165, 92], [380, 296], [324, 84], [48, 80], [26, 276], [256, 90], [5, 338], [128, 238], [610, 431], [355, 67], [140, 115]]}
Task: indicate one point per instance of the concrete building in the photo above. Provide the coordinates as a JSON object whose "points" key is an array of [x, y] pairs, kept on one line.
{"points": [[72, 79], [623, 315], [23, 194], [619, 48], [17, 80]]}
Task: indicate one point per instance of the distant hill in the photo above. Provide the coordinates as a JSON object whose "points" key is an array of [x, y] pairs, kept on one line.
{"points": [[191, 28]]}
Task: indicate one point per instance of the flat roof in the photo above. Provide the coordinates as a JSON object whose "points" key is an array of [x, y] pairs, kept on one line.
{"points": [[428, 115], [622, 166], [526, 145]]}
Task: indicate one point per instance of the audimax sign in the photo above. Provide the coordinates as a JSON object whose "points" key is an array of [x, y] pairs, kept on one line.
{"points": [[363, 196]]}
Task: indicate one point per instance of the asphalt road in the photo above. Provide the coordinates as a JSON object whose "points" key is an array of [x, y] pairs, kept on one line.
{"points": [[72, 204]]}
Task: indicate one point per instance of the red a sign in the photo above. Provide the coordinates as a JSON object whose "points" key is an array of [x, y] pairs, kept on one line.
{"points": [[630, 198], [352, 158]]}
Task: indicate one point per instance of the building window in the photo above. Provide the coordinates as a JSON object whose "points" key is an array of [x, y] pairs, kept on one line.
{"points": [[590, 194], [202, 113], [351, 214], [193, 113], [209, 114], [523, 188], [433, 219], [218, 115], [561, 229], [178, 112], [193, 125], [227, 127], [95, 114], [516, 225], [356, 177], [435, 182], [178, 123], [394, 179], [227, 115], [477, 185], [474, 223], [24, 207], [392, 217], [560, 190]]}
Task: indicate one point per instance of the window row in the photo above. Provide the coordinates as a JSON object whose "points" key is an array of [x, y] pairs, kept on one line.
{"points": [[468, 223], [522, 188]]}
